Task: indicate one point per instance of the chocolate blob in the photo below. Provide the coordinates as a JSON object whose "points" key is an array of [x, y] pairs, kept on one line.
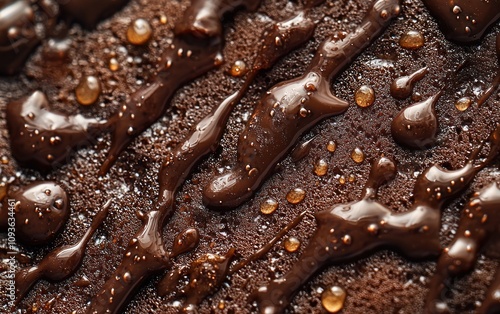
{"points": [[43, 139], [402, 87], [416, 126], [41, 210]]}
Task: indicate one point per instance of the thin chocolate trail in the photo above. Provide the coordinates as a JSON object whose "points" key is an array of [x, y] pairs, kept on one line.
{"points": [[43, 139], [478, 226], [41, 210], [464, 21], [146, 255], [61, 263], [208, 272], [290, 109], [349, 231], [196, 49]]}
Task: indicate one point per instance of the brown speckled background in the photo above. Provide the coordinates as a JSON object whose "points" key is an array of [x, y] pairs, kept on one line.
{"points": [[383, 283]]}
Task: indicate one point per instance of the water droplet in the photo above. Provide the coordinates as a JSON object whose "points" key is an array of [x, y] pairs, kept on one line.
{"points": [[321, 167], [463, 103], [292, 244], [351, 178], [163, 19], [457, 10], [412, 40], [127, 277], [364, 96], [342, 180], [113, 64], [333, 299], [373, 229], [296, 196], [239, 68], [331, 146], [5, 160], [139, 32], [269, 206], [347, 240], [357, 155], [88, 90]]}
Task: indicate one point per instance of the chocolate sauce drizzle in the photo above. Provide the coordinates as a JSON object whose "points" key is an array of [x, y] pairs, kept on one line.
{"points": [[43, 139], [146, 254], [416, 126], [290, 109], [196, 49], [41, 210], [61, 263], [402, 87], [349, 231], [464, 21], [17, 35], [478, 225], [208, 272]]}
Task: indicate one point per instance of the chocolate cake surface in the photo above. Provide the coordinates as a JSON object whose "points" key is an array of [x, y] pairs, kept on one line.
{"points": [[249, 156]]}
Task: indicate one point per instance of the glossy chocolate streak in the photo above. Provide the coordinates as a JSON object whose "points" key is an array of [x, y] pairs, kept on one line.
{"points": [[196, 49], [402, 87], [17, 35], [349, 231], [41, 210], [146, 254], [61, 263], [291, 108], [478, 225], [43, 139], [89, 12], [464, 21], [416, 126]]}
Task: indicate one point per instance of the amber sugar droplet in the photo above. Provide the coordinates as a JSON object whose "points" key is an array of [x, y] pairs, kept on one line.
{"points": [[333, 299], [463, 103], [113, 64], [321, 167], [139, 32], [239, 68], [331, 146], [364, 96], [269, 206], [292, 244], [88, 90], [296, 196], [412, 40], [357, 155]]}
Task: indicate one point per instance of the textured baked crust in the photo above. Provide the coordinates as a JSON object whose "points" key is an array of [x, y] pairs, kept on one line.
{"points": [[384, 282]]}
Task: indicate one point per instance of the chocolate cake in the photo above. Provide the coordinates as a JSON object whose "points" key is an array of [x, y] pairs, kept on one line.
{"points": [[245, 156]]}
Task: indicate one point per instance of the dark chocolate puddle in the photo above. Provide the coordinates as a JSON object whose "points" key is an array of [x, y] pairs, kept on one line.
{"points": [[347, 232], [291, 108]]}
